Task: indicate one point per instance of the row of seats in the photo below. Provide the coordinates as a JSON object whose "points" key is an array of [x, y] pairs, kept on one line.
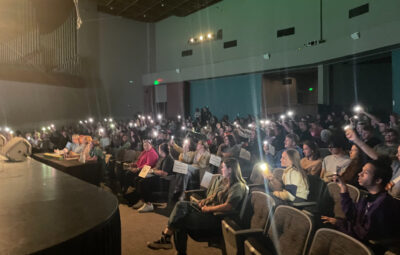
{"points": [[259, 227]]}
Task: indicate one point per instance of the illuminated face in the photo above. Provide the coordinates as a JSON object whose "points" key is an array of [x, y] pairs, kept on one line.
{"points": [[390, 137], [226, 172], [285, 161], [398, 153], [200, 146], [289, 143], [366, 176], [81, 139], [146, 146], [75, 139], [226, 140], [354, 152], [307, 151]]}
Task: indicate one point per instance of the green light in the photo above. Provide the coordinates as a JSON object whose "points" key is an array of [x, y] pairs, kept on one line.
{"points": [[310, 89], [156, 82]]}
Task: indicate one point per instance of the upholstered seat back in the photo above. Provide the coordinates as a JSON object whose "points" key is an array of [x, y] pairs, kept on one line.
{"points": [[332, 242], [290, 230]]}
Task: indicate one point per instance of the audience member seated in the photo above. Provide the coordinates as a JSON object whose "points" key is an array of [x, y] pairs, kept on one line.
{"points": [[198, 161], [145, 186], [389, 147], [367, 134], [229, 148], [291, 141], [294, 184], [148, 157], [350, 176], [337, 162], [190, 216], [311, 163], [96, 154], [374, 216], [77, 150], [394, 185]]}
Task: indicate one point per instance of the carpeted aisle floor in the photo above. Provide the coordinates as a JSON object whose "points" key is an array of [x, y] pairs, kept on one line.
{"points": [[138, 228]]}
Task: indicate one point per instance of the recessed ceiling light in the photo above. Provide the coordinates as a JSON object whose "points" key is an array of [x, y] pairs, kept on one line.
{"points": [[209, 35], [201, 38], [191, 40]]}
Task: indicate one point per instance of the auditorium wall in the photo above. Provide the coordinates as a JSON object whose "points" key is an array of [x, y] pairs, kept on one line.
{"points": [[396, 80], [27, 105], [254, 25], [235, 95], [369, 82]]}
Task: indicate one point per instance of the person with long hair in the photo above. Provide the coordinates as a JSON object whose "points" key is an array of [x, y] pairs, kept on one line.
{"points": [[294, 179], [190, 216], [311, 163]]}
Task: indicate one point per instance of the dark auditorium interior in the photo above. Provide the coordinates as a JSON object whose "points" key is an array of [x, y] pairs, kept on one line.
{"points": [[234, 127]]}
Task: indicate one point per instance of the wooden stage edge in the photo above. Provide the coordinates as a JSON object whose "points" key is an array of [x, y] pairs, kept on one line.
{"points": [[46, 211]]}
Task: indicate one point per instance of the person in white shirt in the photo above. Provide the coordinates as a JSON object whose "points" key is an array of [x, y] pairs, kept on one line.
{"points": [[335, 163]]}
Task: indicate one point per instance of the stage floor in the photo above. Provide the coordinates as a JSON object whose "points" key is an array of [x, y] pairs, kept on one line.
{"points": [[41, 208]]}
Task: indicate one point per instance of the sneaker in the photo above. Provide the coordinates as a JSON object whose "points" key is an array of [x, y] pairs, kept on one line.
{"points": [[146, 208], [138, 205], [163, 243]]}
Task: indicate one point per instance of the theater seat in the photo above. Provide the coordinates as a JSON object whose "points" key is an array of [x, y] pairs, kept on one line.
{"points": [[215, 236], [235, 232], [334, 191], [332, 242], [288, 233]]}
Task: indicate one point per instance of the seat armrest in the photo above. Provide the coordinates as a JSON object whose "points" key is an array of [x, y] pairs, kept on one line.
{"points": [[304, 204], [188, 193], [226, 214]]}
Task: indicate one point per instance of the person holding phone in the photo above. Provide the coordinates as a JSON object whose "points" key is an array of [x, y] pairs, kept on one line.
{"points": [[375, 215]]}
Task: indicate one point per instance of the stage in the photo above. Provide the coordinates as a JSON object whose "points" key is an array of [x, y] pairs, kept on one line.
{"points": [[45, 211]]}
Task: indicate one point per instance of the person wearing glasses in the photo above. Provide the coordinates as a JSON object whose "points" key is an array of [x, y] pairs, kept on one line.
{"points": [[337, 162]]}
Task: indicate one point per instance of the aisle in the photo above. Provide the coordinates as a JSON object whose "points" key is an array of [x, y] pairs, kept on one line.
{"points": [[137, 229]]}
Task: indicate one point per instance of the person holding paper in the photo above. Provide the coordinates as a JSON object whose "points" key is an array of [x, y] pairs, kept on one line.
{"points": [[147, 157], [145, 186], [198, 159], [188, 216]]}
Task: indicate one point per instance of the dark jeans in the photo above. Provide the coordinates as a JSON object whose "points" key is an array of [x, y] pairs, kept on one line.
{"points": [[185, 218], [146, 186]]}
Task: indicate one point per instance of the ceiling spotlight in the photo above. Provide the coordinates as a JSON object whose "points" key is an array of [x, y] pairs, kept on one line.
{"points": [[191, 40], [177, 70], [209, 36], [201, 38]]}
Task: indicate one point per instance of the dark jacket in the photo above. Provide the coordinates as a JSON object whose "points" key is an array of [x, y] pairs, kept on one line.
{"points": [[370, 220]]}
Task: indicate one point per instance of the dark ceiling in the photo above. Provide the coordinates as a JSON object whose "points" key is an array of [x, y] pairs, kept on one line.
{"points": [[152, 10]]}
